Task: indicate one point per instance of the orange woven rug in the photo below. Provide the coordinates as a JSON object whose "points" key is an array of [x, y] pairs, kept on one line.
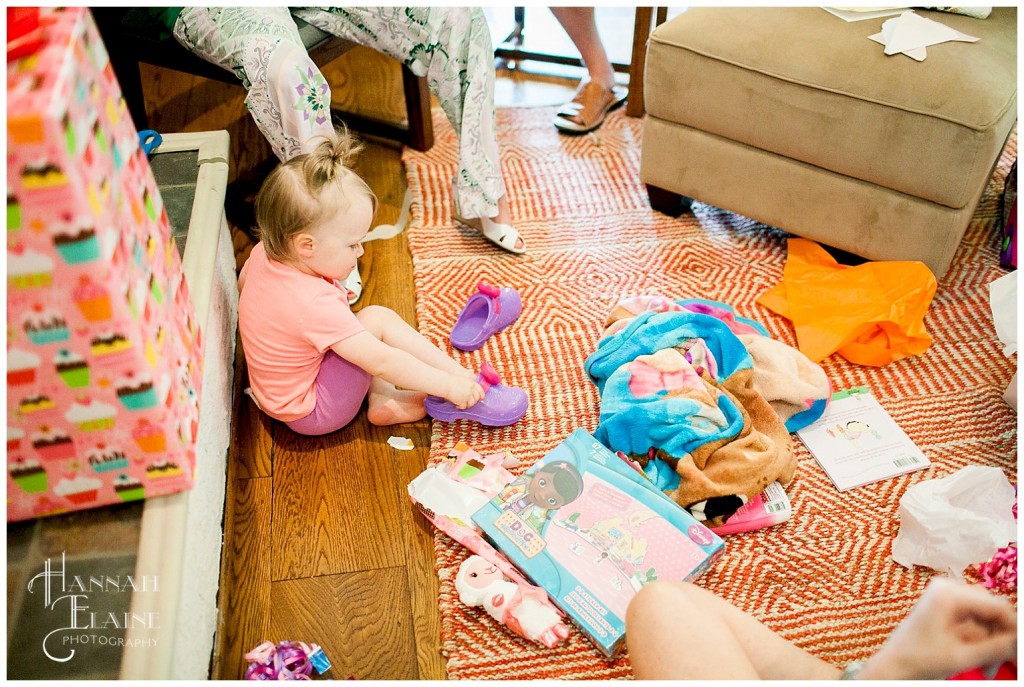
{"points": [[825, 579]]}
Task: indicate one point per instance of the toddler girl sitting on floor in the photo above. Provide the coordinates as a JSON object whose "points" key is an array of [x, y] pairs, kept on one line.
{"points": [[311, 360]]}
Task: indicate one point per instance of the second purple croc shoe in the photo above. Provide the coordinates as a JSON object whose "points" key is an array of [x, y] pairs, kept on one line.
{"points": [[487, 312]]}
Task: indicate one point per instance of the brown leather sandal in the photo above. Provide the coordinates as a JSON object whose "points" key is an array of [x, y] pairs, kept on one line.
{"points": [[588, 108]]}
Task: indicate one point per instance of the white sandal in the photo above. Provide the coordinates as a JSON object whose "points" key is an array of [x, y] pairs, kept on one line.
{"points": [[502, 235], [353, 285]]}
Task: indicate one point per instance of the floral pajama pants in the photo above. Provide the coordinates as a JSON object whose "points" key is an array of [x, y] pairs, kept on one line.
{"points": [[290, 100]]}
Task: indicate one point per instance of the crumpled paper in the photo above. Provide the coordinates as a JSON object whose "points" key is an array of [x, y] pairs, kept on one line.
{"points": [[951, 522], [871, 314]]}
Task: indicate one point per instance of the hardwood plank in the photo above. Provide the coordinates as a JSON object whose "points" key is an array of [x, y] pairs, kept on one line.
{"points": [[383, 267], [251, 451], [359, 619], [335, 506], [181, 102], [386, 262], [418, 537], [387, 274], [245, 593]]}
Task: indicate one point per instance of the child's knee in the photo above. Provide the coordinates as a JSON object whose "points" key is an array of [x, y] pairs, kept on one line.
{"points": [[378, 319]]}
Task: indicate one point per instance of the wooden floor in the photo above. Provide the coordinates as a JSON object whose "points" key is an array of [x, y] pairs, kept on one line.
{"points": [[321, 543]]}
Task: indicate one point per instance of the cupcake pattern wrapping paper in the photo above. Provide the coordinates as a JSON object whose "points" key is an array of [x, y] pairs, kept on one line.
{"points": [[104, 352]]}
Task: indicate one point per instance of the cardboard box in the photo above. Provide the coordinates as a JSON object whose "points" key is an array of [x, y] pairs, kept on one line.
{"points": [[592, 530], [103, 351]]}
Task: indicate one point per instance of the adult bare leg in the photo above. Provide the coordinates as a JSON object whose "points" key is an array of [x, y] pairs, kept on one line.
{"points": [[676, 630]]}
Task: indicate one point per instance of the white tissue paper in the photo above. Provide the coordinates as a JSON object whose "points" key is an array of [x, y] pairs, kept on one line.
{"points": [[911, 33], [1002, 297], [401, 443], [950, 523], [433, 489]]}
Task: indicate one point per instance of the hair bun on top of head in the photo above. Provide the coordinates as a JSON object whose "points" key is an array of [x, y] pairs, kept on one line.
{"points": [[332, 154]]}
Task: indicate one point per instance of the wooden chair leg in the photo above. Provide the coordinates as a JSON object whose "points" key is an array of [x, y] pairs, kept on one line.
{"points": [[641, 31], [668, 202], [417, 106]]}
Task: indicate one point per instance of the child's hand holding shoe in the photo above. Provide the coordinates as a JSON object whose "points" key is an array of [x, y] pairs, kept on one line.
{"points": [[465, 393]]}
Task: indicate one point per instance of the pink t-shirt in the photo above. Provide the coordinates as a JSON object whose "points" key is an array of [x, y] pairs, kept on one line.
{"points": [[288, 320]]}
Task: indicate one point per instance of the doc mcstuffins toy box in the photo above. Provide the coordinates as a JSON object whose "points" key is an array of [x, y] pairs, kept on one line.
{"points": [[592, 530], [104, 352]]}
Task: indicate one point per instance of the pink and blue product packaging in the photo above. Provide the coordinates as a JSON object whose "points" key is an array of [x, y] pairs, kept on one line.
{"points": [[592, 530], [104, 353]]}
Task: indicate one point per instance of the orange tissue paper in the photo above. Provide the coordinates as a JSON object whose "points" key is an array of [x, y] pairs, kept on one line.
{"points": [[871, 314]]}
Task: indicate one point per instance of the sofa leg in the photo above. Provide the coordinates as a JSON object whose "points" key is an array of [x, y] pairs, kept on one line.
{"points": [[668, 202]]}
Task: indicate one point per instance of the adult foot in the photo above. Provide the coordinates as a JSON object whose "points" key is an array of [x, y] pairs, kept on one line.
{"points": [[589, 107], [498, 229], [502, 235]]}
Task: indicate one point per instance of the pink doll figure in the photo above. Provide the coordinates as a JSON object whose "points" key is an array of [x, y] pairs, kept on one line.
{"points": [[479, 583]]}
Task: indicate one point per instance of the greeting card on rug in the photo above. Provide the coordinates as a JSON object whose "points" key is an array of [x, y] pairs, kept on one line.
{"points": [[857, 442]]}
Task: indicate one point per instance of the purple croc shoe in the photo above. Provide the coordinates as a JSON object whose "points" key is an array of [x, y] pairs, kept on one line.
{"points": [[502, 405], [487, 312]]}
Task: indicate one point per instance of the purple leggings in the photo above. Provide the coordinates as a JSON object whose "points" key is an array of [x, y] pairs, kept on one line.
{"points": [[340, 390]]}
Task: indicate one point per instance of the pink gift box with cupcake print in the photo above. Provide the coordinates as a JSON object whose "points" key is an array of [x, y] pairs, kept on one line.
{"points": [[103, 350]]}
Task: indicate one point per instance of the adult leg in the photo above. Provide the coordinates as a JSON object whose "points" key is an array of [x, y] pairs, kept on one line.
{"points": [[452, 48], [287, 97], [581, 26], [676, 630], [597, 93]]}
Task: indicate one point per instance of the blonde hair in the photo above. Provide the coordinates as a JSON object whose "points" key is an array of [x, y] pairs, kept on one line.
{"points": [[302, 191]]}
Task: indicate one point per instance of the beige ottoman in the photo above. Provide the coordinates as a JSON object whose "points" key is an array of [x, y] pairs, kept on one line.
{"points": [[792, 117]]}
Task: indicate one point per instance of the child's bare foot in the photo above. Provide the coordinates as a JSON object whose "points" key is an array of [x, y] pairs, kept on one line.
{"points": [[391, 406]]}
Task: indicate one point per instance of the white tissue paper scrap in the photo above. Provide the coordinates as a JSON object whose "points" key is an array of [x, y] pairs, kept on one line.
{"points": [[1002, 297], [401, 443], [911, 33], [386, 231], [863, 13], [951, 522], [433, 489]]}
